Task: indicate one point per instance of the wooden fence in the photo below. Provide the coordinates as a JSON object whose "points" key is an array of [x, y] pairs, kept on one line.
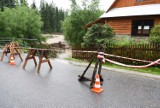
{"points": [[148, 52]]}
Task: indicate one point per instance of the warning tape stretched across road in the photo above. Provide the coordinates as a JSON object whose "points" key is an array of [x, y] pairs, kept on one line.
{"points": [[84, 51], [132, 66], [121, 64], [128, 58]]}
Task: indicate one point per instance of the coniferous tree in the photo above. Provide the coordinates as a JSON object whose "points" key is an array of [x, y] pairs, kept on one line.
{"points": [[23, 2], [33, 5], [51, 17], [7, 3], [56, 19]]}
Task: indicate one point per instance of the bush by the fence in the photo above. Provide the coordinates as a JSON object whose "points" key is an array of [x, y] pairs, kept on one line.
{"points": [[155, 34]]}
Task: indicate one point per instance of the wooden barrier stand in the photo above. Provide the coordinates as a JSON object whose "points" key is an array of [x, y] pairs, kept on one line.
{"points": [[13, 49], [42, 53], [98, 67]]}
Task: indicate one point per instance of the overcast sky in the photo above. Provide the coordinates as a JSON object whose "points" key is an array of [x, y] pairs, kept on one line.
{"points": [[65, 4]]}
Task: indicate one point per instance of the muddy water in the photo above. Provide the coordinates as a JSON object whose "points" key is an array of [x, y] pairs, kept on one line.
{"points": [[67, 53], [62, 53]]}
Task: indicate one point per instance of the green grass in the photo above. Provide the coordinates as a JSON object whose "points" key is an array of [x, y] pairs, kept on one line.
{"points": [[150, 70]]}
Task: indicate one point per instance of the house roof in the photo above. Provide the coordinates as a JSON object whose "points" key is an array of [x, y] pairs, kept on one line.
{"points": [[142, 10], [109, 4]]}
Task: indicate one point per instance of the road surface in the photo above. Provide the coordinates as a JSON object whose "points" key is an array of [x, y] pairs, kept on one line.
{"points": [[60, 88]]}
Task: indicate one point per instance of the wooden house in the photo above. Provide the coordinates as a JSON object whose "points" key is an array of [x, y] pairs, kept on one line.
{"points": [[131, 17]]}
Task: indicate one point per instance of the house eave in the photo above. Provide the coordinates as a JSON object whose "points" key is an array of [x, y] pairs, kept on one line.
{"points": [[93, 22], [143, 10]]}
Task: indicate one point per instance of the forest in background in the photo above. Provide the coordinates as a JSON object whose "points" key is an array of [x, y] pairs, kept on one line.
{"points": [[51, 15], [18, 20]]}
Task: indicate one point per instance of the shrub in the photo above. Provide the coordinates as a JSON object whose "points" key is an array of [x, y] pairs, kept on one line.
{"points": [[98, 34], [20, 22], [155, 34], [124, 41]]}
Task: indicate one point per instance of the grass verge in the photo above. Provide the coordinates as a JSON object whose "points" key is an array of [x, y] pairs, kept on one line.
{"points": [[150, 70]]}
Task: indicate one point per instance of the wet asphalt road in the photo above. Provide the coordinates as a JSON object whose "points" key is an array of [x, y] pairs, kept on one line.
{"points": [[60, 88]]}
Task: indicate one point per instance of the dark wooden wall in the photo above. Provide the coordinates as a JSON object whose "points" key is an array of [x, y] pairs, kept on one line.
{"points": [[120, 25], [123, 26], [157, 21]]}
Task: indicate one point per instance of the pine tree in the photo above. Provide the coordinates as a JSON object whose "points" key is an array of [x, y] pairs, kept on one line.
{"points": [[7, 3], [51, 17], [33, 5], [23, 2], [74, 5], [42, 12]]}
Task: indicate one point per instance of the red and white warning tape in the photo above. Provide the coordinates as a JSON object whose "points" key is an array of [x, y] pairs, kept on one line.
{"points": [[128, 58], [101, 57], [84, 51], [132, 66]]}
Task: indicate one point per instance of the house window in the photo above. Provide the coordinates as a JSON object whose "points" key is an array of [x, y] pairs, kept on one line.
{"points": [[142, 27]]}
